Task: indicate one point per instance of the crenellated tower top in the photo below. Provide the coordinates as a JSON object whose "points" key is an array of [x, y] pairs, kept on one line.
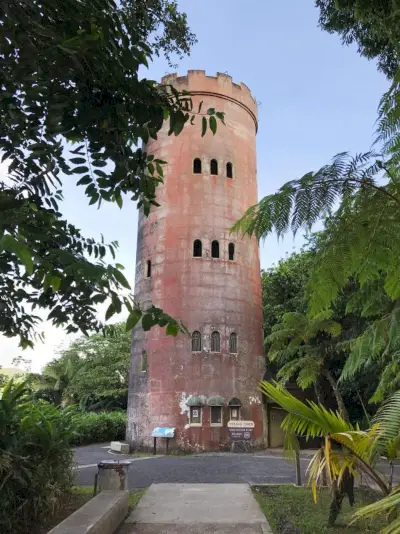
{"points": [[219, 86]]}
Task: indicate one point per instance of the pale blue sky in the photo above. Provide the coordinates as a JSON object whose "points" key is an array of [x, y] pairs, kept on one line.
{"points": [[317, 98]]}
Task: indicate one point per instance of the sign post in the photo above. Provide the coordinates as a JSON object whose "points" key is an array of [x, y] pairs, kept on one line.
{"points": [[241, 432]]}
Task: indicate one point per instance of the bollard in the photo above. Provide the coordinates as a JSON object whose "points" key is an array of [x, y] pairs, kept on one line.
{"points": [[113, 475]]}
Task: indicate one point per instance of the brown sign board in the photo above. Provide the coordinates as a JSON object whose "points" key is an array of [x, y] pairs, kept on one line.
{"points": [[240, 434]]}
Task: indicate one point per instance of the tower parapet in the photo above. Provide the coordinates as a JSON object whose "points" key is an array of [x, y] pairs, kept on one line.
{"points": [[220, 86]]}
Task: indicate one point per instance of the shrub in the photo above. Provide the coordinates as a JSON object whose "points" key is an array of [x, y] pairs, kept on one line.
{"points": [[97, 427], [35, 460]]}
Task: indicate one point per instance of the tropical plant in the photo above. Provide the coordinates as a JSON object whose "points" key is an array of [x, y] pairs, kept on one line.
{"points": [[73, 104], [56, 377], [35, 460], [306, 349], [102, 381], [345, 448]]}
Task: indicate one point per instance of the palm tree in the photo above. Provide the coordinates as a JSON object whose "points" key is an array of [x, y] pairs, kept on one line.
{"points": [[56, 377], [346, 448]]}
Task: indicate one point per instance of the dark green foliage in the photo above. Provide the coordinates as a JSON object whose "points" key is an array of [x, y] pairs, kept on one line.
{"points": [[98, 427], [374, 25], [284, 287], [35, 460], [73, 106], [92, 372]]}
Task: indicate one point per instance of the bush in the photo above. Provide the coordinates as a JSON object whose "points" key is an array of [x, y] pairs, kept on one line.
{"points": [[97, 427], [35, 460]]}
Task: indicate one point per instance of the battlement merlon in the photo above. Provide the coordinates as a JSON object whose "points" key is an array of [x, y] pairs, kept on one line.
{"points": [[197, 82]]}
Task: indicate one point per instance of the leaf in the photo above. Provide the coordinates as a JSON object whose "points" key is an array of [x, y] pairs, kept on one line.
{"points": [[118, 199], [80, 170], [121, 279], [55, 283], [172, 329], [203, 126], [147, 322], [110, 311], [133, 319], [78, 161], [8, 242], [213, 124], [85, 180], [211, 111], [150, 168], [200, 106]]}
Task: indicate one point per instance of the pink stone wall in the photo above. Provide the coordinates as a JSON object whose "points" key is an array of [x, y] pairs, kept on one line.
{"points": [[207, 294]]}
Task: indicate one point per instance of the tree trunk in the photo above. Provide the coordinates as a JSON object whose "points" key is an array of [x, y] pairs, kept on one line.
{"points": [[346, 487], [338, 396]]}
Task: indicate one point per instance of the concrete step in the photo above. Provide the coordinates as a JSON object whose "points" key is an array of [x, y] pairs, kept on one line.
{"points": [[203, 528]]}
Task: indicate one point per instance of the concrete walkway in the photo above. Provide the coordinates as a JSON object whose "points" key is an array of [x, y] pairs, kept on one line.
{"points": [[197, 509]]}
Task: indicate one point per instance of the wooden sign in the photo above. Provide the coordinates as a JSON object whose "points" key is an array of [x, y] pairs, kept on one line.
{"points": [[241, 424]]}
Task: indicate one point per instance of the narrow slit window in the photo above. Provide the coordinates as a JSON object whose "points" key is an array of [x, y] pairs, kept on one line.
{"points": [[197, 248], [231, 251], [215, 249], [229, 170], [215, 342], [216, 415], [144, 362], [148, 269], [195, 415], [233, 343], [196, 342], [197, 166], [214, 166]]}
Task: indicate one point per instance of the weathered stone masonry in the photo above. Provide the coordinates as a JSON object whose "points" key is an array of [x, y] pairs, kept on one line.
{"points": [[208, 294]]}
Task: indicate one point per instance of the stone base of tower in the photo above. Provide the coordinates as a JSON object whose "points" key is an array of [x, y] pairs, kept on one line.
{"points": [[204, 437]]}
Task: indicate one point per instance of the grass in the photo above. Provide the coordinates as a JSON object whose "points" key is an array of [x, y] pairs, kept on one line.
{"points": [[296, 505], [80, 496]]}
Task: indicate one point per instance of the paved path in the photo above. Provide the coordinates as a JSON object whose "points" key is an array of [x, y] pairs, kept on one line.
{"points": [[223, 468], [197, 509], [202, 469]]}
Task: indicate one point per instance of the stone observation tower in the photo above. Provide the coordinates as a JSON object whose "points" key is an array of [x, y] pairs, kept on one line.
{"points": [[191, 266]]}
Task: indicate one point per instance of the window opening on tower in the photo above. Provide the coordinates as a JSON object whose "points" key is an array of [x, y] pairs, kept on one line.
{"points": [[196, 342], [215, 342], [231, 251], [197, 248], [214, 166], [229, 170], [197, 166], [215, 249]]}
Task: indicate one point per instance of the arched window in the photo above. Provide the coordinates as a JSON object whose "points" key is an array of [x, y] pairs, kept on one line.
{"points": [[233, 343], [215, 342], [214, 166], [231, 251], [197, 166], [215, 249], [148, 269], [229, 170], [197, 248], [196, 342]]}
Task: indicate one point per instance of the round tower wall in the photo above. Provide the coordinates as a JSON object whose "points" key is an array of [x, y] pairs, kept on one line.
{"points": [[208, 294]]}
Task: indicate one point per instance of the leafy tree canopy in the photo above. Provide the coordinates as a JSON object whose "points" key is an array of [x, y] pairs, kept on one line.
{"points": [[73, 106], [374, 25], [92, 371]]}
